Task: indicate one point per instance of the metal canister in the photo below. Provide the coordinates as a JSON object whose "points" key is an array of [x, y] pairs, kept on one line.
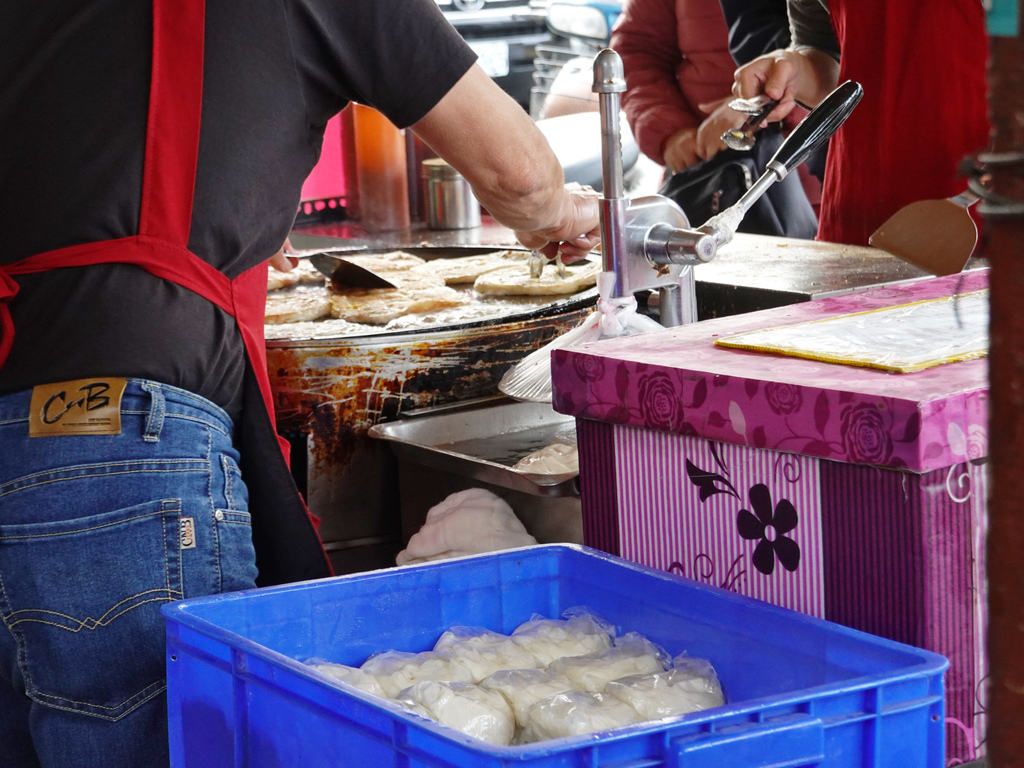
{"points": [[451, 203]]}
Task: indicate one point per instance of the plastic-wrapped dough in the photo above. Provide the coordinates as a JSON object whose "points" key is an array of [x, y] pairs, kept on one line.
{"points": [[484, 652], [414, 707], [351, 675], [550, 639], [554, 459], [466, 523], [397, 670], [690, 686], [633, 654], [575, 713], [523, 688], [470, 709]]}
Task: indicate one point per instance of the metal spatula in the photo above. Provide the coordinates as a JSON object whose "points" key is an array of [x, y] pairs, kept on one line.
{"points": [[347, 274], [935, 235]]}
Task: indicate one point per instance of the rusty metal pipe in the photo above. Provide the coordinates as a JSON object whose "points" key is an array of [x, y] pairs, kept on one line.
{"points": [[1005, 545]]}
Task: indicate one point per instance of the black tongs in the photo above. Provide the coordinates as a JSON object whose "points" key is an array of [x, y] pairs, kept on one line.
{"points": [[758, 108]]}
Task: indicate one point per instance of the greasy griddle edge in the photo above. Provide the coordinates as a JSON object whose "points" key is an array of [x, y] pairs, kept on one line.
{"points": [[559, 305]]}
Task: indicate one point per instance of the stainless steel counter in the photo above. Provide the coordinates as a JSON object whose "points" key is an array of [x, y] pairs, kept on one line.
{"points": [[757, 272]]}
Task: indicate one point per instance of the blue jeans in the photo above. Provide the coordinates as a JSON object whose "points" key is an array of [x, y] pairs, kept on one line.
{"points": [[96, 533]]}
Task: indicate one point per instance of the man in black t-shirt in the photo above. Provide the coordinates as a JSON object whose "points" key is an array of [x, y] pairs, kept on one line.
{"points": [[130, 249], [73, 114]]}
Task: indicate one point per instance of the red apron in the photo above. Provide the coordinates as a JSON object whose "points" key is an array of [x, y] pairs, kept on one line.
{"points": [[923, 67], [287, 545]]}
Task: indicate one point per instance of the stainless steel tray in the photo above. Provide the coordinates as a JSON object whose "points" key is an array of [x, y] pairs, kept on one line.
{"points": [[483, 441]]}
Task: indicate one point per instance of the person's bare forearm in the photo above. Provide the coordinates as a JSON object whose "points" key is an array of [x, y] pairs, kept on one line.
{"points": [[491, 141]]}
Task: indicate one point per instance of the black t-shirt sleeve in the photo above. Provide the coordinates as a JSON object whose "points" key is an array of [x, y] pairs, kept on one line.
{"points": [[811, 26], [399, 56], [755, 27]]}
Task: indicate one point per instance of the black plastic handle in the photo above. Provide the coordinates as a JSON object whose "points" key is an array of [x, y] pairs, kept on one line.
{"points": [[815, 129]]}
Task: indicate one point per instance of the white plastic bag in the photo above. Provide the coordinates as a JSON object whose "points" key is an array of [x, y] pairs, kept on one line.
{"points": [[530, 378], [484, 652], [575, 713], [397, 670], [633, 654], [554, 459], [469, 709], [351, 675], [690, 686], [523, 688], [550, 639]]}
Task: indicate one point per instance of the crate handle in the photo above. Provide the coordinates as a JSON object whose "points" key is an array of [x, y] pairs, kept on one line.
{"points": [[784, 742]]}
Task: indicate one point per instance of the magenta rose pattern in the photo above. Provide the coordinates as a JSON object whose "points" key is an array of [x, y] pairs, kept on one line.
{"points": [[865, 434], [589, 368], [678, 381], [783, 399], [773, 416], [643, 395], [660, 402], [837, 425]]}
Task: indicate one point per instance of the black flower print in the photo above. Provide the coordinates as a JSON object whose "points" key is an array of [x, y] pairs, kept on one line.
{"points": [[769, 525]]}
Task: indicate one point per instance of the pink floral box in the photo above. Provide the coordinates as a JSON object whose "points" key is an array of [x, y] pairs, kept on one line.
{"points": [[678, 381]]}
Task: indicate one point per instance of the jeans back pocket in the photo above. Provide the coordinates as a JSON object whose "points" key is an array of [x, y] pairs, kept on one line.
{"points": [[91, 588]]}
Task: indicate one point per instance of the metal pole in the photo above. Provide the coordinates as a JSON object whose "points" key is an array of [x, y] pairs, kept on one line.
{"points": [[609, 82]]}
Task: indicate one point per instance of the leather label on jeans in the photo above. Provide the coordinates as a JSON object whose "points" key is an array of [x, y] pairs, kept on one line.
{"points": [[188, 533], [80, 407]]}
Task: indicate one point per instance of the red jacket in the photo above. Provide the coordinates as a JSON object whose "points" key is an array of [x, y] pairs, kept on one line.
{"points": [[676, 56]]}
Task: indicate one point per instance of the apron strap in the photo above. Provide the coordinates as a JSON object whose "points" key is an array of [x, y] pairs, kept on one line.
{"points": [[175, 110], [8, 290], [168, 187], [158, 257], [249, 293]]}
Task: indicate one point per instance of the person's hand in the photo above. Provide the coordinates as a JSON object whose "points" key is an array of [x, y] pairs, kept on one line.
{"points": [[721, 118], [281, 261], [680, 150], [576, 230], [776, 74], [806, 75]]}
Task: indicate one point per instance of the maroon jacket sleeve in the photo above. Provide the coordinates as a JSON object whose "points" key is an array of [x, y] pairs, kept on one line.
{"points": [[646, 38]]}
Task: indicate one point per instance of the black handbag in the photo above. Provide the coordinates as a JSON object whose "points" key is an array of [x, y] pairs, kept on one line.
{"points": [[709, 187]]}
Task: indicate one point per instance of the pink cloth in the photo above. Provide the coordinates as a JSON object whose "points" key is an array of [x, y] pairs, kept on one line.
{"points": [[676, 56]]}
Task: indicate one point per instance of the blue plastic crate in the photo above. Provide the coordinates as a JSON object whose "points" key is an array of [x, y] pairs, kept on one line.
{"points": [[800, 691]]}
